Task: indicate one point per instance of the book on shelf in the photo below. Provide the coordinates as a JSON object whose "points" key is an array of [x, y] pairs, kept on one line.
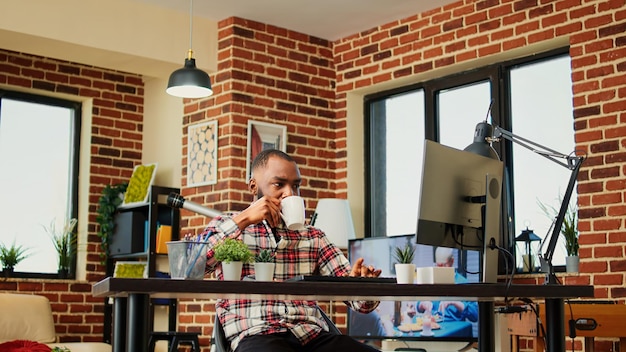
{"points": [[164, 235]]}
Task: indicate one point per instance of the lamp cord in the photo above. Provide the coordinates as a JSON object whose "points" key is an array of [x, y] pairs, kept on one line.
{"points": [[190, 26]]}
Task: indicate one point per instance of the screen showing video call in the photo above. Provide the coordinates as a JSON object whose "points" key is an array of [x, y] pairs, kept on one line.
{"points": [[416, 320]]}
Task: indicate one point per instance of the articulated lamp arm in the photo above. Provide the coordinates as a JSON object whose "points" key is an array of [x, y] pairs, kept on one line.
{"points": [[572, 162]]}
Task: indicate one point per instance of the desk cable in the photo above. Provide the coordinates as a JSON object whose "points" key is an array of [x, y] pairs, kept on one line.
{"points": [[507, 260]]}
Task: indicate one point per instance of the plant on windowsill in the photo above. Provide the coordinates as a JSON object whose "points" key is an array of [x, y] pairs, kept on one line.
{"points": [[65, 244], [570, 233], [111, 198], [405, 269], [232, 253], [569, 230], [11, 256]]}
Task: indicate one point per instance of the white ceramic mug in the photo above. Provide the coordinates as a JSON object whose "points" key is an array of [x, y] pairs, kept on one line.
{"points": [[292, 212]]}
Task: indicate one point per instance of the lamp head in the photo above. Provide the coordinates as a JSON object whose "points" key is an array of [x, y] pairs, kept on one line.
{"points": [[482, 141], [189, 81]]}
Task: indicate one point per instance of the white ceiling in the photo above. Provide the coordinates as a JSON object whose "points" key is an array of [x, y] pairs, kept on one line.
{"points": [[327, 19]]}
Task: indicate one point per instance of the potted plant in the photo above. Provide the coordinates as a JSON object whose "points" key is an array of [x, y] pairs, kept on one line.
{"points": [[11, 256], [405, 269], [232, 253], [569, 230], [264, 265], [111, 198], [570, 233], [64, 242]]}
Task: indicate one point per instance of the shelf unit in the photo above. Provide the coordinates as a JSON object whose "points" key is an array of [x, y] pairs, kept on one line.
{"points": [[139, 228]]}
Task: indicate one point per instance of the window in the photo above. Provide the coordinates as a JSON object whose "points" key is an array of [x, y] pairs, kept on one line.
{"points": [[39, 139], [531, 98]]}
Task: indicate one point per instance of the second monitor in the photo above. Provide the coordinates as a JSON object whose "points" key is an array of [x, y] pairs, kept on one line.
{"points": [[460, 203]]}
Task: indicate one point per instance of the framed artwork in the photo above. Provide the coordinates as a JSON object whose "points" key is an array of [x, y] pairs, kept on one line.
{"points": [[139, 185], [202, 154], [261, 136]]}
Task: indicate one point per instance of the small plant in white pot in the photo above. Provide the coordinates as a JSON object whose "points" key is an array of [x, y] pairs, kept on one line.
{"points": [[232, 253], [569, 230], [405, 269], [264, 265], [570, 233]]}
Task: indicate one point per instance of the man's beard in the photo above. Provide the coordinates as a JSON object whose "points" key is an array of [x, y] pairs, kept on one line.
{"points": [[259, 193]]}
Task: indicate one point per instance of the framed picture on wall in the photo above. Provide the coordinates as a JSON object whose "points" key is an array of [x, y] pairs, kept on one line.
{"points": [[202, 154], [262, 136]]}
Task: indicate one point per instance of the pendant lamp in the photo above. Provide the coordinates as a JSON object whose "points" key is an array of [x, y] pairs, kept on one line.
{"points": [[189, 81]]}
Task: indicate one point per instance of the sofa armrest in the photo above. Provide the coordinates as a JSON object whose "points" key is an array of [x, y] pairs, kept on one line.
{"points": [[26, 317], [83, 346]]}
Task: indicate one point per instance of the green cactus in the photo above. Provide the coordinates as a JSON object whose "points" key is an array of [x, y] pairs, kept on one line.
{"points": [[404, 255], [264, 256]]}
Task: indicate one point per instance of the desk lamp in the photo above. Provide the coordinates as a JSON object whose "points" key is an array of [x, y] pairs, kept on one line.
{"points": [[485, 134], [334, 218]]}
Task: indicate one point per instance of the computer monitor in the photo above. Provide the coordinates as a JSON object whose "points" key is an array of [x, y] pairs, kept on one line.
{"points": [[399, 320], [459, 205]]}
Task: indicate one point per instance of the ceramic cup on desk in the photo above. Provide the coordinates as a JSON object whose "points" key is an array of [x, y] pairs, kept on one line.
{"points": [[292, 212]]}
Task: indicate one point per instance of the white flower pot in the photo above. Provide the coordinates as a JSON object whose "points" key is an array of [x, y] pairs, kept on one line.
{"points": [[571, 263], [264, 271], [232, 271], [405, 273]]}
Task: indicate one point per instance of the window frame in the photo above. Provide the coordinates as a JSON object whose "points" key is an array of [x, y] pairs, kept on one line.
{"points": [[498, 75], [73, 183]]}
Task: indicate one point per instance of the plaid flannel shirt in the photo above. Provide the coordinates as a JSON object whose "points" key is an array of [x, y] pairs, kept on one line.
{"points": [[306, 252]]}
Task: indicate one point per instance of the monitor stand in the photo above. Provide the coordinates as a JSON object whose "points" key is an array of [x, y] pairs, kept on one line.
{"points": [[491, 229], [491, 235]]}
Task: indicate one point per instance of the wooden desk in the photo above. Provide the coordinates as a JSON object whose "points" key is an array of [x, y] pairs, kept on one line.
{"points": [[609, 321], [132, 298]]}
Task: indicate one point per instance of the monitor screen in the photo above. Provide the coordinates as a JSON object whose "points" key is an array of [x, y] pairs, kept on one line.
{"points": [[452, 320], [460, 202]]}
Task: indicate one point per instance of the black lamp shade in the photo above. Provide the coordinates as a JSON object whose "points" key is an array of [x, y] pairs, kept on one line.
{"points": [[189, 82], [481, 145]]}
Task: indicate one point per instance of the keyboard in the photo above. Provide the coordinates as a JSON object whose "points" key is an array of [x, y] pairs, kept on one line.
{"points": [[321, 278]]}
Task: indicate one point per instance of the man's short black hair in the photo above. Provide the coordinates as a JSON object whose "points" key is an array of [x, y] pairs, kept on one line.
{"points": [[261, 159]]}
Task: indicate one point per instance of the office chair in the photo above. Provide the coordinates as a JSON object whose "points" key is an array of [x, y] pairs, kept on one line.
{"points": [[219, 343]]}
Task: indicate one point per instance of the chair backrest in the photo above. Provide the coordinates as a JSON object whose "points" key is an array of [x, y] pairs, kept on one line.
{"points": [[220, 344], [26, 317]]}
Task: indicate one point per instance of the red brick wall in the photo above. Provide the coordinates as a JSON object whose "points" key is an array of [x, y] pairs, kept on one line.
{"points": [[263, 69], [275, 75], [469, 30], [116, 135], [272, 75]]}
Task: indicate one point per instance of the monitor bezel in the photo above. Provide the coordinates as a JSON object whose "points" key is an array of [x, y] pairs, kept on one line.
{"points": [[408, 238]]}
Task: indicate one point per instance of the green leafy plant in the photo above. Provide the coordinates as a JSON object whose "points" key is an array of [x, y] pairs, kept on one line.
{"points": [[265, 256], [110, 199], [232, 250], [404, 255], [60, 349], [569, 230], [11, 256], [64, 242]]}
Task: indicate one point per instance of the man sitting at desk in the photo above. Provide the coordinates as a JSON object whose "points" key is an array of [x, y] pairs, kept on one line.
{"points": [[271, 325]]}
